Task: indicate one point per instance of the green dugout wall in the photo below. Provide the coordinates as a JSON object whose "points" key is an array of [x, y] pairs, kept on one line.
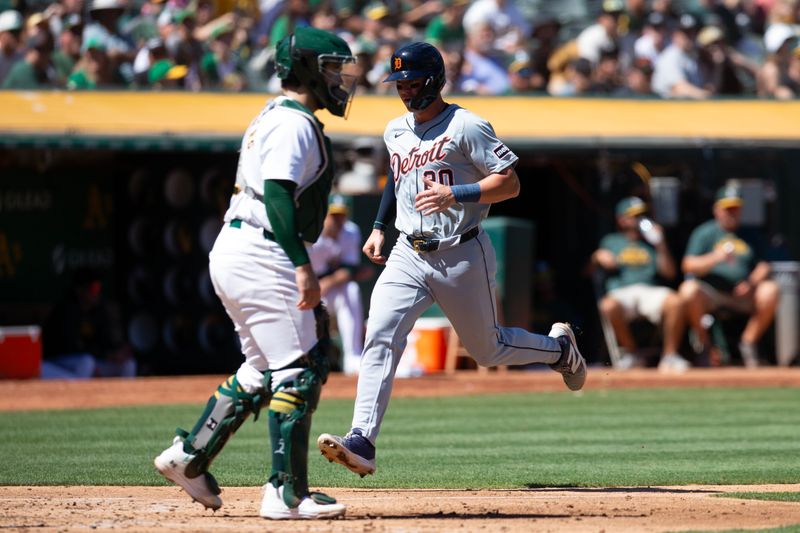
{"points": [[136, 183]]}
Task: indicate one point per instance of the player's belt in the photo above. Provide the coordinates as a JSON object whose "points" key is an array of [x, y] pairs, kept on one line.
{"points": [[237, 223], [422, 244]]}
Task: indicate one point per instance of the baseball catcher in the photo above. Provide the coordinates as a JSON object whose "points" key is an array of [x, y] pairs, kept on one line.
{"points": [[261, 271]]}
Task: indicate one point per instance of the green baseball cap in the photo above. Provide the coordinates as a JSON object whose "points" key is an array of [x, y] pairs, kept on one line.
{"points": [[338, 204], [158, 70], [631, 206], [165, 69], [729, 196], [96, 43]]}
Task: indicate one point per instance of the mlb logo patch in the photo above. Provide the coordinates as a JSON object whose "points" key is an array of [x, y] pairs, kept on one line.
{"points": [[501, 150]]}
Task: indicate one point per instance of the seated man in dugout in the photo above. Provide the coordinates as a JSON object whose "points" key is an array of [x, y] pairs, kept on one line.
{"points": [[634, 257], [724, 269]]}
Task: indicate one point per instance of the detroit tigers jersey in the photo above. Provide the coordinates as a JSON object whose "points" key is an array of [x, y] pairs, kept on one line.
{"points": [[456, 147], [281, 143]]}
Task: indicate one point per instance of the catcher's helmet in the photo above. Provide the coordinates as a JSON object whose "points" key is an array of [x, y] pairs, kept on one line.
{"points": [[304, 54], [419, 61]]}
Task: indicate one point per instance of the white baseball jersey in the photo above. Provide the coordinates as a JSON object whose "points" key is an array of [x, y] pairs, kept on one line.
{"points": [[281, 143], [344, 301], [252, 275], [328, 254], [456, 148]]}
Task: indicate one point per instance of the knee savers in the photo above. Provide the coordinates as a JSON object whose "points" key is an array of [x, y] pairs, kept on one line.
{"points": [[289, 425], [225, 412]]}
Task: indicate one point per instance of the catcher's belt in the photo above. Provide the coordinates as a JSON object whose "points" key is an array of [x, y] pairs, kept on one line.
{"points": [[237, 223], [423, 244]]}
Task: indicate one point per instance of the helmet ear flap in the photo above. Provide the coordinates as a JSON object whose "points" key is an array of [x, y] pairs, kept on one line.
{"points": [[429, 91], [308, 70], [298, 57], [285, 57], [294, 53], [440, 80]]}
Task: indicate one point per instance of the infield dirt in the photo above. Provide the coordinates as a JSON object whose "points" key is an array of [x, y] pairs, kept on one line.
{"points": [[640, 509]]}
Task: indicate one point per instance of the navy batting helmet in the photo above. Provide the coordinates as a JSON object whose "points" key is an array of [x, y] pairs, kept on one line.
{"points": [[419, 61]]}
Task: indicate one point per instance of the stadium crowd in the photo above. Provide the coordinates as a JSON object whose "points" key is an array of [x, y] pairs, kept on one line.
{"points": [[666, 48]]}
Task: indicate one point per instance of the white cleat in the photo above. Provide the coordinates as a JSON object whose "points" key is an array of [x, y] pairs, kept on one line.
{"points": [[673, 363], [571, 365], [627, 361], [172, 465], [274, 508], [749, 353]]}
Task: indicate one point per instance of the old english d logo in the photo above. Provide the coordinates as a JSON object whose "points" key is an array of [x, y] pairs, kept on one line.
{"points": [[398, 63]]}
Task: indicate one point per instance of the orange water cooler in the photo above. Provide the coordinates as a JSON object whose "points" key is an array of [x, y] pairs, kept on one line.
{"points": [[431, 343]]}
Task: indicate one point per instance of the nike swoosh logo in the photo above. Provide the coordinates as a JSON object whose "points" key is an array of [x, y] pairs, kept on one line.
{"points": [[398, 134]]}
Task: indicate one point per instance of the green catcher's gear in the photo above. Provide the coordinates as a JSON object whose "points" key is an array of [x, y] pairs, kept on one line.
{"points": [[306, 53], [290, 410], [225, 412]]}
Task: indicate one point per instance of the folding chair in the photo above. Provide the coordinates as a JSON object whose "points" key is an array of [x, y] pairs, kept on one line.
{"points": [[599, 286], [646, 334]]}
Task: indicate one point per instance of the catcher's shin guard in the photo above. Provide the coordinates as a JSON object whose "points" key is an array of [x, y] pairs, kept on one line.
{"points": [[225, 412], [290, 413]]}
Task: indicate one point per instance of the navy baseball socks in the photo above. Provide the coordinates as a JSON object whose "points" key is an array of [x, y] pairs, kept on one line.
{"points": [[353, 451], [571, 365]]}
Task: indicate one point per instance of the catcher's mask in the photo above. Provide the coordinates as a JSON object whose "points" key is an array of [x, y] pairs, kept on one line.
{"points": [[419, 61], [319, 61]]}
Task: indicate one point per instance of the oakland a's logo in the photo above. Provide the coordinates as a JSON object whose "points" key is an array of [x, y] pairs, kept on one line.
{"points": [[398, 63]]}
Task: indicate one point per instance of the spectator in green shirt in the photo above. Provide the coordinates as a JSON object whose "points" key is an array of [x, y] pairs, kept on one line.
{"points": [[296, 14], [11, 23], [68, 50], [634, 257], [34, 71], [726, 269], [219, 66], [447, 29], [93, 70]]}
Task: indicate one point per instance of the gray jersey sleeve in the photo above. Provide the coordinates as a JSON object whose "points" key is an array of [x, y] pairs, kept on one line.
{"points": [[484, 149]]}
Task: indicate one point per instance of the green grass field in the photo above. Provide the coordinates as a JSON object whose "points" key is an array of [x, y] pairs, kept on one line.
{"points": [[597, 438], [766, 496]]}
